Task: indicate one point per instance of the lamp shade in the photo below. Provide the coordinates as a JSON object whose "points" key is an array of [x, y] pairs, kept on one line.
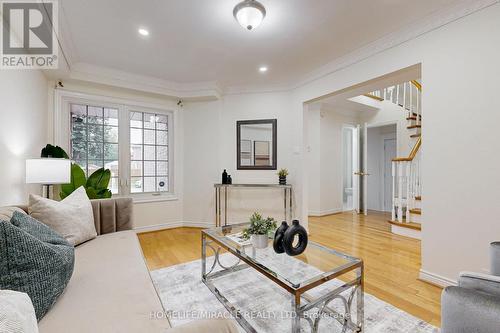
{"points": [[48, 171]]}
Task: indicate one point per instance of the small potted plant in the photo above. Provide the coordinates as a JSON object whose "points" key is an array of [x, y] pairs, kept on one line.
{"points": [[282, 176], [259, 230]]}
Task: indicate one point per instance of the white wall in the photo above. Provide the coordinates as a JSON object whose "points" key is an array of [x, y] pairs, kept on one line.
{"points": [[23, 130], [210, 147], [460, 68]]}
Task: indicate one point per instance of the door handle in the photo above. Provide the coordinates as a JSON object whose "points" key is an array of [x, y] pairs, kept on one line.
{"points": [[361, 174]]}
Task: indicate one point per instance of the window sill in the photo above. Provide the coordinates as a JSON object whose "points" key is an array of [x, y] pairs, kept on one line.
{"points": [[140, 199]]}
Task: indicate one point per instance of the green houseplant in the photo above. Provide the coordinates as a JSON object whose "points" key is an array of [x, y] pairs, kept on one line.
{"points": [[282, 173], [259, 230], [96, 185]]}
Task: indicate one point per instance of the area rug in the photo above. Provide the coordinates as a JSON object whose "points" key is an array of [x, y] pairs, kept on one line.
{"points": [[264, 304]]}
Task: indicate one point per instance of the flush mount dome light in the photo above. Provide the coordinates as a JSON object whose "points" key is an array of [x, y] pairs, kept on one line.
{"points": [[249, 14]]}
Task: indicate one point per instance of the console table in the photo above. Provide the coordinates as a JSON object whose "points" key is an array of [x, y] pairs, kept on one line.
{"points": [[222, 190]]}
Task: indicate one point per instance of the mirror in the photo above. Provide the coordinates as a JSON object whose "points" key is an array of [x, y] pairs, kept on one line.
{"points": [[256, 144]]}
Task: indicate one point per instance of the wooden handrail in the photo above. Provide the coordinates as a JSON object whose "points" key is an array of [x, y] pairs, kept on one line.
{"points": [[380, 99], [413, 152], [416, 84]]}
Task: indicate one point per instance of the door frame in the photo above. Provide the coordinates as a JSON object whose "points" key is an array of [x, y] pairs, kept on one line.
{"points": [[398, 127], [352, 127]]}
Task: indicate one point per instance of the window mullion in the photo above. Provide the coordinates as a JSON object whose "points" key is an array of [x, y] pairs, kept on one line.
{"points": [[124, 150]]}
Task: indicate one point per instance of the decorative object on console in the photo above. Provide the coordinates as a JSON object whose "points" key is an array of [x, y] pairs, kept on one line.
{"points": [[72, 218], [259, 230], [224, 177], [282, 176], [278, 238], [295, 230], [35, 260], [47, 171], [229, 179]]}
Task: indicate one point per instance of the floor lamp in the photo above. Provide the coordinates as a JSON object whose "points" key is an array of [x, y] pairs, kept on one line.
{"points": [[48, 171]]}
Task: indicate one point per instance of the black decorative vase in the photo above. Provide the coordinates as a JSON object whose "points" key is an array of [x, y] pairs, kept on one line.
{"points": [[295, 230], [224, 177], [278, 238], [282, 180]]}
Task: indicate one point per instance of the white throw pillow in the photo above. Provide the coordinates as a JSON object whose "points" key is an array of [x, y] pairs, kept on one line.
{"points": [[17, 314], [72, 218]]}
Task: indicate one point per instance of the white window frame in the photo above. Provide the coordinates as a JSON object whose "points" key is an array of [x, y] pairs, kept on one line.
{"points": [[62, 136]]}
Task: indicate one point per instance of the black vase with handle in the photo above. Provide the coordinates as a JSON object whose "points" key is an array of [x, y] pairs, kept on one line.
{"points": [[295, 230], [278, 238]]}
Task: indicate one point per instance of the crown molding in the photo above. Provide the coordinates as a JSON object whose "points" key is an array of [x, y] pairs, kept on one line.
{"points": [[212, 90], [112, 77]]}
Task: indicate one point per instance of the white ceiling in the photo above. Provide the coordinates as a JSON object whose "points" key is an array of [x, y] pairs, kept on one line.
{"points": [[194, 41]]}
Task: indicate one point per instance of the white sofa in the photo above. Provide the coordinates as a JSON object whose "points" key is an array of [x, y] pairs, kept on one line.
{"points": [[111, 289]]}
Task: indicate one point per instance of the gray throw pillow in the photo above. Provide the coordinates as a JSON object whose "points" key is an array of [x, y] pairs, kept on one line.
{"points": [[35, 260]]}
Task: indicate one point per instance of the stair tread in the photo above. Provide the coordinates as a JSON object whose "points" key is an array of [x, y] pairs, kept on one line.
{"points": [[409, 225], [414, 126], [419, 198], [417, 211], [415, 135]]}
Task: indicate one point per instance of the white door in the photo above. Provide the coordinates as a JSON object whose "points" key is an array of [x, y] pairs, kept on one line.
{"points": [[390, 151], [360, 180], [356, 167]]}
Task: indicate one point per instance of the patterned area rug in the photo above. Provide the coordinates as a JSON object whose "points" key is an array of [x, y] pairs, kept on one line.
{"points": [[264, 304]]}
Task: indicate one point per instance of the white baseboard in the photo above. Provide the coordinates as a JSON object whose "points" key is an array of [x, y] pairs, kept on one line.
{"points": [[156, 227], [192, 224], [325, 212], [171, 225], [436, 279]]}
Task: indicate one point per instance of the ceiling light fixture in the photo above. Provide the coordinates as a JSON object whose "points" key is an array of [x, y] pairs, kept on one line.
{"points": [[143, 32], [249, 14], [263, 69]]}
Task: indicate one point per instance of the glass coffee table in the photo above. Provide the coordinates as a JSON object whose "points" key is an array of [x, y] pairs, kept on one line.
{"points": [[306, 279]]}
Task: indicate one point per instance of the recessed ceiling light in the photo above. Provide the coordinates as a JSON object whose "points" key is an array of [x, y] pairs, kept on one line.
{"points": [[143, 32], [263, 69]]}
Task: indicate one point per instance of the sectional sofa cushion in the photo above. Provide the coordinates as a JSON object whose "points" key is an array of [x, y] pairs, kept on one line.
{"points": [[72, 218], [110, 291], [17, 314], [7, 212], [34, 259]]}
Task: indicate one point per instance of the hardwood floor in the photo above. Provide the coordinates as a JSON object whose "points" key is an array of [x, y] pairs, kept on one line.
{"points": [[392, 262]]}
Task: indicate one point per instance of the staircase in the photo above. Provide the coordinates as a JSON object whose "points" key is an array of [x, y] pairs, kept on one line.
{"points": [[406, 172]]}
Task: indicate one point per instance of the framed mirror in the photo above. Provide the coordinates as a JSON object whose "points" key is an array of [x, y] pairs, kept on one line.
{"points": [[256, 144]]}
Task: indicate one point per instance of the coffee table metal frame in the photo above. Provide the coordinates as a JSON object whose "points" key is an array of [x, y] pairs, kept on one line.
{"points": [[301, 301]]}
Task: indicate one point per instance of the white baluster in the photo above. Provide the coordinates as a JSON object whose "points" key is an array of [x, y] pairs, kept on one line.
{"points": [[400, 192], [393, 210], [407, 176]]}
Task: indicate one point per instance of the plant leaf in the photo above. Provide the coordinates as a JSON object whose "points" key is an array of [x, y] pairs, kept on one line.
{"points": [[99, 180], [78, 179], [54, 152]]}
